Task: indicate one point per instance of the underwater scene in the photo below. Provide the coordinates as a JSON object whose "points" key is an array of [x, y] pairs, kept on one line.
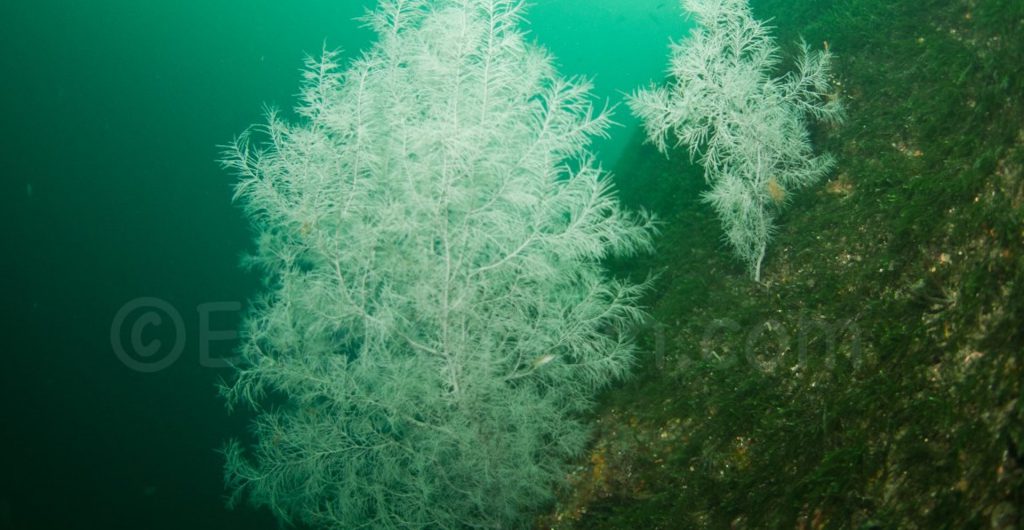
{"points": [[549, 264]]}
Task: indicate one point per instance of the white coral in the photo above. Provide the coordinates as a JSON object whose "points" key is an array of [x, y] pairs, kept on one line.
{"points": [[431, 233], [748, 128]]}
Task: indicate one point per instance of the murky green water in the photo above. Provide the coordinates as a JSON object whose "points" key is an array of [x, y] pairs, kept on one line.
{"points": [[120, 227]]}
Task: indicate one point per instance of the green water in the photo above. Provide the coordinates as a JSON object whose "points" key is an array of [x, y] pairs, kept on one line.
{"points": [[113, 114]]}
